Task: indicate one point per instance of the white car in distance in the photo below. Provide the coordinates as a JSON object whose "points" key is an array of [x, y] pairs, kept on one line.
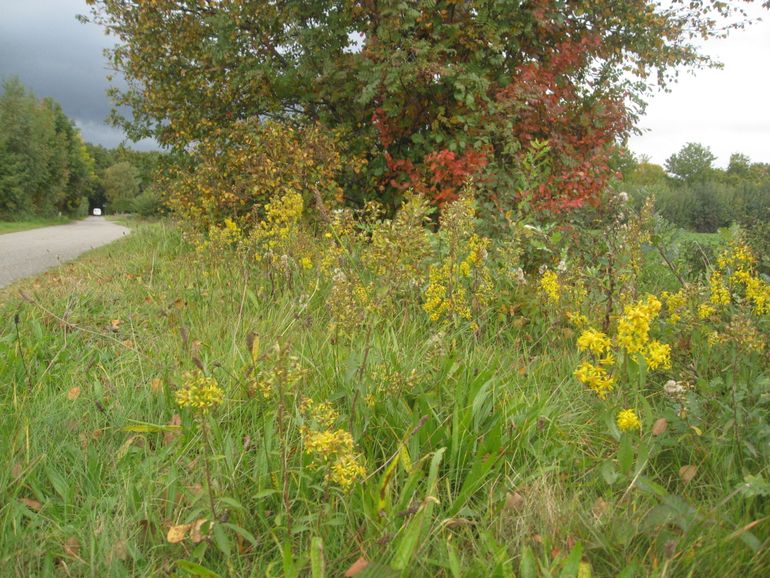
{"points": [[97, 212]]}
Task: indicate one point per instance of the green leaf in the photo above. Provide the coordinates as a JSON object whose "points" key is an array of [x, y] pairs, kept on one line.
{"points": [[572, 563], [625, 454], [221, 539], [196, 569], [527, 563], [141, 427], [317, 562]]}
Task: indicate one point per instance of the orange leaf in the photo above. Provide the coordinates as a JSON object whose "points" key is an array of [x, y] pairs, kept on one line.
{"points": [[31, 504], [73, 393], [357, 567]]}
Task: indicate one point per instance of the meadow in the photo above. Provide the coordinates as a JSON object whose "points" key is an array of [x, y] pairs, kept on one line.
{"points": [[368, 396]]}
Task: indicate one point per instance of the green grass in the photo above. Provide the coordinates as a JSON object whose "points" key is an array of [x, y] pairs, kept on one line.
{"points": [[16, 226], [492, 462]]}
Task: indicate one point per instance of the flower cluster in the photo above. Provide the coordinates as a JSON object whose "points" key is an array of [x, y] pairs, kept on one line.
{"points": [[349, 301], [596, 378], [549, 285], [628, 420], [633, 333], [634, 325], [461, 283], [277, 369], [331, 449], [200, 393]]}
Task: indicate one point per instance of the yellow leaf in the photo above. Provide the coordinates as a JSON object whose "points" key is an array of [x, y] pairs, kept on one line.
{"points": [[177, 533], [195, 532]]}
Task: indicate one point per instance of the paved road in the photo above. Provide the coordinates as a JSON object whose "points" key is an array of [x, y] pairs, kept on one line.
{"points": [[30, 252]]}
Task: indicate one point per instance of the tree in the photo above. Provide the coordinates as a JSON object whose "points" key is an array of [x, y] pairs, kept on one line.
{"points": [[692, 163], [427, 92], [739, 165], [44, 166], [121, 186]]}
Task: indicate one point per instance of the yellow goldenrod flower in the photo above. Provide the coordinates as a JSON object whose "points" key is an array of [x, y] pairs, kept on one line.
{"points": [[327, 444], [345, 471], [200, 393], [596, 378], [720, 295], [657, 355], [594, 341], [549, 284], [705, 310], [627, 420]]}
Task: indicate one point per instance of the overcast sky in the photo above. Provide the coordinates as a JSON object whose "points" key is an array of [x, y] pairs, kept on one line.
{"points": [[726, 110]]}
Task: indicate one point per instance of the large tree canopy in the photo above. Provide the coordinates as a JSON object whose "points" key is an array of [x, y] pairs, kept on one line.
{"points": [[425, 92]]}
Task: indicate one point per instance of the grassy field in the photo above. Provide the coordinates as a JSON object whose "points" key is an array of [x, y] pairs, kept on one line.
{"points": [[483, 455], [15, 226]]}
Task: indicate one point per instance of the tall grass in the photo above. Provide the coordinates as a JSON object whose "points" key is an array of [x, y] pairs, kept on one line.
{"points": [[484, 456]]}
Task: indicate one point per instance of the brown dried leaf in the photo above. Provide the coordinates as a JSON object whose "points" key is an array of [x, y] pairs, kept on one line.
{"points": [[72, 547], [660, 426], [120, 550], [196, 535], [600, 506], [357, 567], [31, 504], [688, 472], [73, 393], [514, 501], [115, 323], [156, 385], [177, 533], [170, 436]]}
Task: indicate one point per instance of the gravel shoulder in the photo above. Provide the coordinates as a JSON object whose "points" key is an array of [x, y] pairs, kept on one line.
{"points": [[30, 252]]}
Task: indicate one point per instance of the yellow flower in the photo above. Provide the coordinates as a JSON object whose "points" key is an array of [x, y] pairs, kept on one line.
{"points": [[594, 341], [720, 295], [705, 310], [345, 471], [596, 378], [577, 319], [306, 263], [658, 355], [634, 325], [200, 393], [322, 412], [326, 444], [549, 284], [627, 420]]}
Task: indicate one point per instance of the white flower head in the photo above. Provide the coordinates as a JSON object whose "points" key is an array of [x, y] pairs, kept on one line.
{"points": [[673, 387]]}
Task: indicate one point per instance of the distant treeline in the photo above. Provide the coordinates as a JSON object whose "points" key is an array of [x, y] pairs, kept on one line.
{"points": [[46, 169], [690, 192]]}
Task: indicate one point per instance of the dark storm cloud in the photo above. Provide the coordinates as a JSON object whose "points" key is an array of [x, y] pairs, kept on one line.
{"points": [[54, 55]]}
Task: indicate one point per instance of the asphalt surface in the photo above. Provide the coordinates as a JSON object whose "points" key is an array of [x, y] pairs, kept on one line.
{"points": [[30, 252]]}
